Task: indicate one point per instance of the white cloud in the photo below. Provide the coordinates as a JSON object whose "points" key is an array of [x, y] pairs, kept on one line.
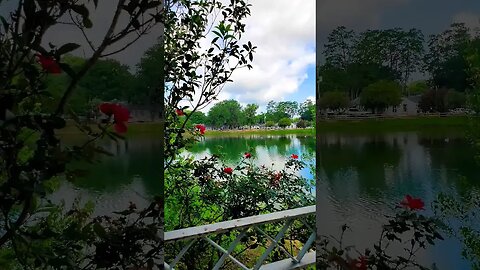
{"points": [[284, 33]]}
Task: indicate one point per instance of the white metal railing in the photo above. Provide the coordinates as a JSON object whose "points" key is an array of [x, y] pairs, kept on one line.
{"points": [[305, 257]]}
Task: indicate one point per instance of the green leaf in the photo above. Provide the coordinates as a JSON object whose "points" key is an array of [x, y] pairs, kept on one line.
{"points": [[65, 67], [66, 48], [82, 10], [87, 23], [217, 33], [5, 23], [99, 230]]}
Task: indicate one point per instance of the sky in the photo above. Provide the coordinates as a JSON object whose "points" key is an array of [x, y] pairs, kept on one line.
{"points": [[430, 16], [283, 66], [284, 61], [287, 34]]}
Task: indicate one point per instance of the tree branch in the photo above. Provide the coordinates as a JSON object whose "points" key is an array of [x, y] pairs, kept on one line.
{"points": [[106, 41]]}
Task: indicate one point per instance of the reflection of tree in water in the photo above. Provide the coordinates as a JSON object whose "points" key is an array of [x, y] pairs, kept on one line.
{"points": [[368, 161], [233, 148], [454, 154], [371, 162], [139, 158]]}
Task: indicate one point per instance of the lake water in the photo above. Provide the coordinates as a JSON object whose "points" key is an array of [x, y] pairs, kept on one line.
{"points": [[361, 177]]}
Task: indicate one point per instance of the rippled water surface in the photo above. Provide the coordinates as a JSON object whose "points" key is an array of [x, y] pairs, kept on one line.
{"points": [[361, 177]]}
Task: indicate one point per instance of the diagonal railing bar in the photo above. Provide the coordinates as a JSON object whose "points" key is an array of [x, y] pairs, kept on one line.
{"points": [[273, 244], [243, 225], [279, 246], [182, 252], [230, 250], [307, 225], [306, 246], [217, 246]]}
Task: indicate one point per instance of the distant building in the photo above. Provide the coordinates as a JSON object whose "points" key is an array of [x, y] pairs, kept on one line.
{"points": [[408, 106], [143, 113]]}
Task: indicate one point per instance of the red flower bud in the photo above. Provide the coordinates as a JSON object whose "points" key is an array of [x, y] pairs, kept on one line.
{"points": [[228, 170], [179, 112], [120, 115], [49, 64], [201, 128], [412, 203]]}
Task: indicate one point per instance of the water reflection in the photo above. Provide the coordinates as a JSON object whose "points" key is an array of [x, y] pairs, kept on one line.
{"points": [[131, 174], [361, 179], [266, 150]]}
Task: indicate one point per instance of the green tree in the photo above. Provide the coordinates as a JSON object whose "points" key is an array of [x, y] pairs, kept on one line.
{"points": [[284, 122], [270, 124], [455, 100], [195, 118], [334, 100], [380, 95], [445, 60], [302, 124], [148, 77], [434, 100], [249, 114], [227, 113], [305, 110], [339, 51], [108, 80], [354, 78], [417, 87], [399, 50], [287, 108]]}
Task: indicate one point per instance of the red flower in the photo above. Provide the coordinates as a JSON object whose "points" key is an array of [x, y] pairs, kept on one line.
{"points": [[179, 112], [228, 170], [49, 64], [412, 203], [359, 264], [247, 155], [275, 181], [120, 127], [120, 115], [202, 128], [294, 156]]}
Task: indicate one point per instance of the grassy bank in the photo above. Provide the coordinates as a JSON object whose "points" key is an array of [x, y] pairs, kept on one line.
{"points": [[432, 124], [300, 131], [133, 128], [426, 124]]}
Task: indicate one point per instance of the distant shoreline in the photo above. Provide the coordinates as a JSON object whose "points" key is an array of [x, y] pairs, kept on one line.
{"points": [[424, 123]]}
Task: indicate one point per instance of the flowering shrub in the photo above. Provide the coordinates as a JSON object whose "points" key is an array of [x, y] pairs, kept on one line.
{"points": [[34, 232], [206, 191], [407, 227]]}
